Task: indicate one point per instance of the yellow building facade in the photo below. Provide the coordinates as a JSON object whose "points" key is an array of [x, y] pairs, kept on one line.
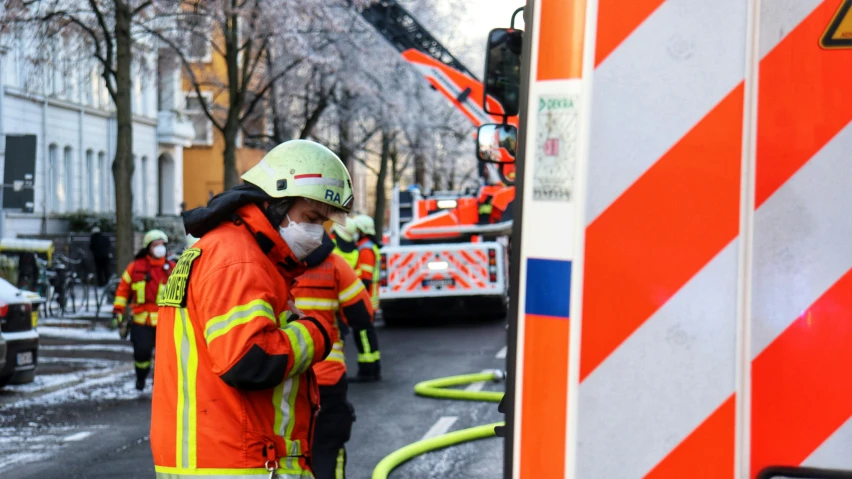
{"points": [[203, 162]]}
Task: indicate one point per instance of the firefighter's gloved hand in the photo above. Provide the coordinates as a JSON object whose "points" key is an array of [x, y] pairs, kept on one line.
{"points": [[369, 372], [294, 313], [123, 327], [116, 320]]}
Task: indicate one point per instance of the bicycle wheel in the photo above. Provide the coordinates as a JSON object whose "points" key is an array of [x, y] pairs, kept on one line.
{"points": [[70, 297], [54, 305]]}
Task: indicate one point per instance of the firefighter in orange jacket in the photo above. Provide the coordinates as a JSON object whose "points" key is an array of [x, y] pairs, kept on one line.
{"points": [[140, 286], [331, 291], [367, 267], [234, 392]]}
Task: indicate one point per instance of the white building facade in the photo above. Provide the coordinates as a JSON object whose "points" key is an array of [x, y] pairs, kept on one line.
{"points": [[67, 107]]}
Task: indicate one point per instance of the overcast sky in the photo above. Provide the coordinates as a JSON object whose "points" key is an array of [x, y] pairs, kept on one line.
{"points": [[479, 18]]}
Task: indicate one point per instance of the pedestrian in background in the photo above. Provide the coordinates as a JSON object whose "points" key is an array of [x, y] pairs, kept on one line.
{"points": [[101, 248]]}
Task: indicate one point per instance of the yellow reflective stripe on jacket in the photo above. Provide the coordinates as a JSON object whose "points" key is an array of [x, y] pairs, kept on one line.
{"points": [[289, 469], [374, 294], [120, 301], [302, 346], [284, 401], [350, 292], [285, 428], [336, 353], [142, 318], [317, 304], [220, 325], [366, 267], [139, 288], [126, 277], [187, 354]]}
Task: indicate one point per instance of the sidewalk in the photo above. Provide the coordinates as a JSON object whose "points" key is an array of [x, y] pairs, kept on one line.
{"points": [[71, 352]]}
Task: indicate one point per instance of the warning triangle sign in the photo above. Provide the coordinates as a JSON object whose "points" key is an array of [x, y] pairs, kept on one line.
{"points": [[839, 31]]}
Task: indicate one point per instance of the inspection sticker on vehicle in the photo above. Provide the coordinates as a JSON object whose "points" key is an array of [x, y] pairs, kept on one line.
{"points": [[556, 147], [25, 358]]}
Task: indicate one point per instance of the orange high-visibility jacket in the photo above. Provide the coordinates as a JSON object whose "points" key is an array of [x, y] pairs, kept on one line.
{"points": [[140, 285], [233, 387], [367, 268], [330, 290]]}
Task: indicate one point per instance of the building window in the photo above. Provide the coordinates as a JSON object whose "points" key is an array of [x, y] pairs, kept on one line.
{"points": [[143, 179], [137, 95], [198, 30], [55, 191], [134, 185], [91, 180], [105, 190], [195, 112], [68, 179]]}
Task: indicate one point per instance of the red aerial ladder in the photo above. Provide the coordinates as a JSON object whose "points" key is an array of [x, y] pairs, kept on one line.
{"points": [[436, 254]]}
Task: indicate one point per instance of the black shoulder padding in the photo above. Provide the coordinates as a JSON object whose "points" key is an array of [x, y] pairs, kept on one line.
{"points": [[256, 370]]}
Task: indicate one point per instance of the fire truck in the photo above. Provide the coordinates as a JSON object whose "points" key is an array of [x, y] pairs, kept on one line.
{"points": [[447, 251], [681, 269]]}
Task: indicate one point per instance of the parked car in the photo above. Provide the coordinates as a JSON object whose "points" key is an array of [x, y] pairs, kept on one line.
{"points": [[17, 326], [2, 352]]}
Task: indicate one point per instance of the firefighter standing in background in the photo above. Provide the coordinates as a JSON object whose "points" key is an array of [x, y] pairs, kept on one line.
{"points": [[235, 394], [367, 267], [140, 287], [331, 291], [345, 241]]}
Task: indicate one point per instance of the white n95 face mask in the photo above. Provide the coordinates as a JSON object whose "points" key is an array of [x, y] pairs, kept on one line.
{"points": [[158, 251], [302, 238]]}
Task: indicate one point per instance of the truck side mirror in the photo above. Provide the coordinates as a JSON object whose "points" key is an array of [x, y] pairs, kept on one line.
{"points": [[496, 143], [503, 72]]}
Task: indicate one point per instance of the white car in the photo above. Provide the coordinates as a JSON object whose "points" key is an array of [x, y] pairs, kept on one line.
{"points": [[17, 325]]}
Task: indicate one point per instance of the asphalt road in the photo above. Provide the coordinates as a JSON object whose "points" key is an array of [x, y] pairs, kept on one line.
{"points": [[99, 429]]}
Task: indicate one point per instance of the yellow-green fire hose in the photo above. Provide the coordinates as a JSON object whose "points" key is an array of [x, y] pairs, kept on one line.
{"points": [[436, 388]]}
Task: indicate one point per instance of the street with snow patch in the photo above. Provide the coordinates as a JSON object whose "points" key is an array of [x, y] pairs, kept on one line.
{"points": [[82, 417]]}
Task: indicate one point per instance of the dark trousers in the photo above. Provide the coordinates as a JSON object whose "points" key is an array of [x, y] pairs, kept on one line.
{"points": [[143, 339], [102, 270], [333, 427]]}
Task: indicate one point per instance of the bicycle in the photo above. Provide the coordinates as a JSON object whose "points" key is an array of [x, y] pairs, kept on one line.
{"points": [[63, 300], [44, 284], [107, 294]]}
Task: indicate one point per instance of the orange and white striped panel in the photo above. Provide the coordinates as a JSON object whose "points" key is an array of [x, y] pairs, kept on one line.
{"points": [[659, 326], [674, 370], [801, 330], [464, 267]]}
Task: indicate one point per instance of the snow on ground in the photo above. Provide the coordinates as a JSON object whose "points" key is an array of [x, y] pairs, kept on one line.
{"points": [[116, 348], [34, 442], [108, 388], [77, 333], [43, 381]]}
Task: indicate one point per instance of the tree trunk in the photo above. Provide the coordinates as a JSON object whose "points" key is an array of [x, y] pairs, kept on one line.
{"points": [[343, 130], [420, 170], [122, 165], [235, 98], [381, 199], [232, 179]]}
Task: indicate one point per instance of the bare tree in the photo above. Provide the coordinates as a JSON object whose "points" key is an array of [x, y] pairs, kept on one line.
{"points": [[106, 28]]}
